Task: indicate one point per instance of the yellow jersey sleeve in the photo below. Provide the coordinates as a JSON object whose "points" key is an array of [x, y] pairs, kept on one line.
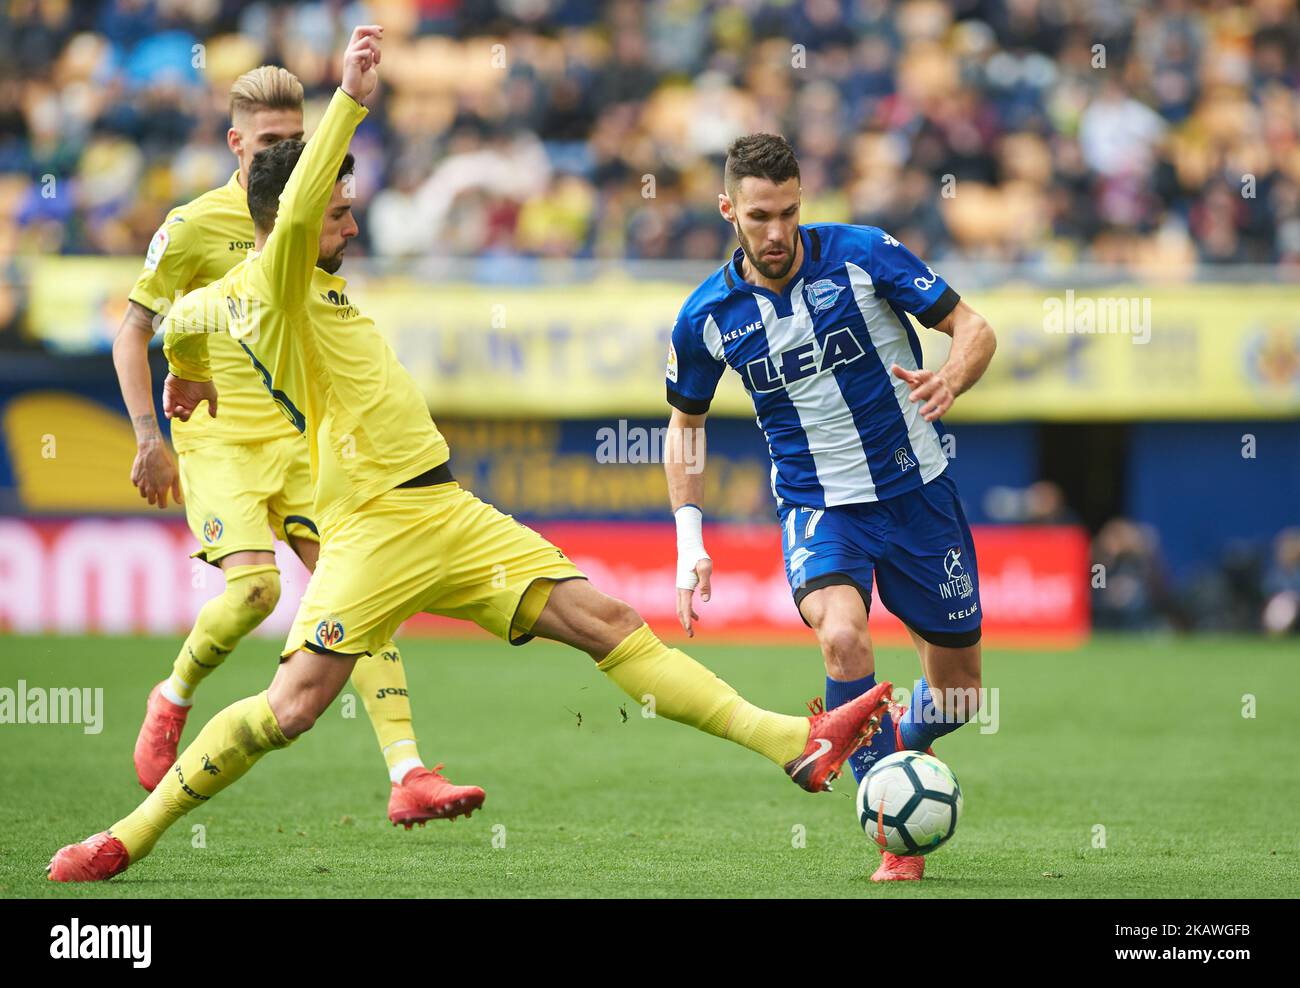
{"points": [[173, 259], [289, 255], [186, 329]]}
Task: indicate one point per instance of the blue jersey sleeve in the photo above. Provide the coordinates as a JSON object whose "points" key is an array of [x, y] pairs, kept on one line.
{"points": [[693, 372], [902, 277]]}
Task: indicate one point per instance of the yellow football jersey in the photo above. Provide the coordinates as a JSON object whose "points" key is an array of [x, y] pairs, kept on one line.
{"points": [[197, 244], [329, 370]]}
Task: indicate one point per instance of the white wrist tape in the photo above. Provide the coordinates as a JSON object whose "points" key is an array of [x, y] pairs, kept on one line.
{"points": [[690, 544]]}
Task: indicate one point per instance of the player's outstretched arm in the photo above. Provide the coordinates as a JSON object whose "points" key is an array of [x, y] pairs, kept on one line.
{"points": [[973, 344], [153, 472], [289, 255], [684, 452]]}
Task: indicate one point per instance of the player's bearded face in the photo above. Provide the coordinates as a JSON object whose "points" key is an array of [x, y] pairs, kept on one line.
{"points": [[766, 220], [338, 228]]}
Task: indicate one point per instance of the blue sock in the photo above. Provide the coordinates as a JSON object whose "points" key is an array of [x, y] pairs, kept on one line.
{"points": [[838, 694], [924, 723]]}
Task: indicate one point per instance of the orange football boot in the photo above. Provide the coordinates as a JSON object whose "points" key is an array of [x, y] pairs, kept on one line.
{"points": [[160, 734], [95, 859], [424, 795]]}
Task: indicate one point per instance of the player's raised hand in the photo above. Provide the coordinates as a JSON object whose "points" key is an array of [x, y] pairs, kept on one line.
{"points": [[361, 60], [182, 397], [929, 387], [700, 575]]}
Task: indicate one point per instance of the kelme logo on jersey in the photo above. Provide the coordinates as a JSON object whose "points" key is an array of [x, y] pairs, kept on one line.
{"points": [[212, 529], [329, 632], [822, 294]]}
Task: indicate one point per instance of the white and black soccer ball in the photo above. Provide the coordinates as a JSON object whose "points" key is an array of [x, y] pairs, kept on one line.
{"points": [[909, 803]]}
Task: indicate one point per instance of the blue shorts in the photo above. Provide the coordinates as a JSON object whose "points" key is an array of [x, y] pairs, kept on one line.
{"points": [[917, 544]]}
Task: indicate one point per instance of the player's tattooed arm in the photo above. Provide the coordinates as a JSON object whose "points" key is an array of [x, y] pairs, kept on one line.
{"points": [[684, 453], [973, 344], [153, 472]]}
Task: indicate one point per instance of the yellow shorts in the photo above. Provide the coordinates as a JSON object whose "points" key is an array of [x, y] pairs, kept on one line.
{"points": [[435, 549], [239, 498]]}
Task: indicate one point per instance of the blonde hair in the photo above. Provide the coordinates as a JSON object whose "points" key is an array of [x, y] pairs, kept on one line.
{"points": [[267, 87]]}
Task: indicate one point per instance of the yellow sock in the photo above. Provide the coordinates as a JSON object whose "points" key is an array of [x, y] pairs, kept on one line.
{"points": [[380, 679], [227, 747], [251, 594], [685, 691]]}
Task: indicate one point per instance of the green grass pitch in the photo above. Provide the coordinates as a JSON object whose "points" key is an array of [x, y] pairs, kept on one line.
{"points": [[1145, 738]]}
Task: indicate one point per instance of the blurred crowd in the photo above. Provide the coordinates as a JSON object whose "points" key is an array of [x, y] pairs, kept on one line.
{"points": [[1251, 586], [1151, 134]]}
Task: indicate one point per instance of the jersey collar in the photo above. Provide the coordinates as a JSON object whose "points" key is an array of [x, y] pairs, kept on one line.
{"points": [[324, 281]]}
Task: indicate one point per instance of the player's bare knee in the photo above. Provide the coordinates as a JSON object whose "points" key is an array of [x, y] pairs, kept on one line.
{"points": [[296, 715], [846, 649], [620, 619]]}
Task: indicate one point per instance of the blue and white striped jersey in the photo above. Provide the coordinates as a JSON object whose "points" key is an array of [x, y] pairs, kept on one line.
{"points": [[815, 359]]}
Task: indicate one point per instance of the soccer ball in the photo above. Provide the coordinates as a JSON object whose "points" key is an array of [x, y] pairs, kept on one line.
{"points": [[909, 803]]}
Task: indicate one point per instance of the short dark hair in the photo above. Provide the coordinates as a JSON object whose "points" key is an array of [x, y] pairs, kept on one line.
{"points": [[768, 156], [269, 174]]}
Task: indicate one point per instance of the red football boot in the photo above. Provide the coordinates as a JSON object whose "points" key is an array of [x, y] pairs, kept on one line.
{"points": [[833, 735], [425, 795], [95, 859], [895, 868], [160, 734]]}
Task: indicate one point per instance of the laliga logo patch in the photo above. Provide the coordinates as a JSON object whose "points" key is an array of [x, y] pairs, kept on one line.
{"points": [[212, 529], [672, 363], [157, 247], [822, 294], [329, 632]]}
